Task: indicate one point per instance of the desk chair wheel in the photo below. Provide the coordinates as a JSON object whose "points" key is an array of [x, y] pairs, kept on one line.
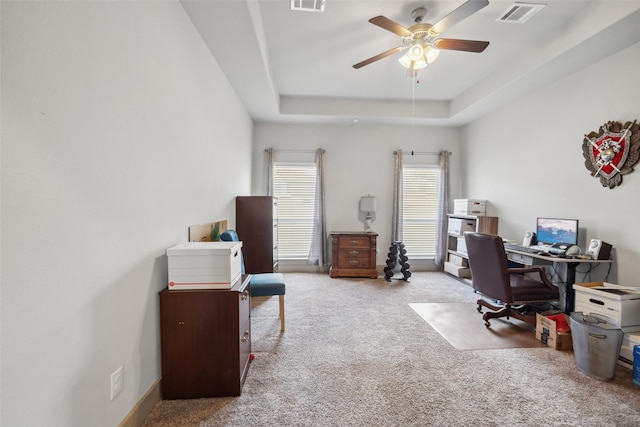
{"points": [[479, 308], [487, 324]]}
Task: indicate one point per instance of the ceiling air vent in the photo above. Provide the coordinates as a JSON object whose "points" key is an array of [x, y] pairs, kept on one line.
{"points": [[519, 13], [308, 5]]}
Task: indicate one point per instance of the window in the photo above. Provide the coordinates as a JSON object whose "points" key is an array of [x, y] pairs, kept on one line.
{"points": [[420, 210], [294, 185]]}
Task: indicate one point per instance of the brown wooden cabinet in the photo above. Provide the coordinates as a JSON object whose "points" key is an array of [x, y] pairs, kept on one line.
{"points": [[353, 254], [257, 227], [205, 341]]}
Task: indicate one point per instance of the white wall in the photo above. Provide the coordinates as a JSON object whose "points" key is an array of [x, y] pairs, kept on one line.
{"points": [[118, 132], [359, 161], [541, 137]]}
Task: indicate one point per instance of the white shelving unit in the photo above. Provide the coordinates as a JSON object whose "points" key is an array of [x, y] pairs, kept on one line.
{"points": [[457, 263]]}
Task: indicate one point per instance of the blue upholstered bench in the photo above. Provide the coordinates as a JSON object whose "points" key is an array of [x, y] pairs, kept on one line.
{"points": [[262, 284], [269, 284]]}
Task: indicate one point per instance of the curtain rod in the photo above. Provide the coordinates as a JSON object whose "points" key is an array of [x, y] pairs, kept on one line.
{"points": [[293, 151], [418, 153]]}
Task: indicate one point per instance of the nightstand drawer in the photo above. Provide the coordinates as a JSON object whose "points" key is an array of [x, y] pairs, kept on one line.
{"points": [[354, 262], [354, 242], [354, 253]]}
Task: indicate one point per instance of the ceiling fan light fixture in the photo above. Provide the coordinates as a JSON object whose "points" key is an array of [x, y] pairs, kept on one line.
{"points": [[416, 52], [405, 61], [418, 56], [419, 64], [431, 53]]}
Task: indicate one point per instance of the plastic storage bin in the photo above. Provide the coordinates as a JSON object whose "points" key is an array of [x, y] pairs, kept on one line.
{"points": [[596, 345], [636, 364]]}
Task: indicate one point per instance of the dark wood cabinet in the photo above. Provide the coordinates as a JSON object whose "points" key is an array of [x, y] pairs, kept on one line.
{"points": [[353, 254], [257, 227], [205, 341]]}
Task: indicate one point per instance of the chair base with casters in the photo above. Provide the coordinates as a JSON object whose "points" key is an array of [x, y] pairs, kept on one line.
{"points": [[269, 284], [262, 284], [533, 297], [517, 293]]}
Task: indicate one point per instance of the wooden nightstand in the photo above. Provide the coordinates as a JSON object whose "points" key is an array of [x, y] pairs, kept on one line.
{"points": [[353, 254]]}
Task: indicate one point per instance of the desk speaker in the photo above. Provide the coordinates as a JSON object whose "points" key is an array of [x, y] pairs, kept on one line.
{"points": [[599, 249], [529, 238]]}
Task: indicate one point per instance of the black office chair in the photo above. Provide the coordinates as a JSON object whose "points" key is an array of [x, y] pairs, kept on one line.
{"points": [[516, 293]]}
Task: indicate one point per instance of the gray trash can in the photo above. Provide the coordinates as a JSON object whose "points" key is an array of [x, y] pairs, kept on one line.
{"points": [[596, 345]]}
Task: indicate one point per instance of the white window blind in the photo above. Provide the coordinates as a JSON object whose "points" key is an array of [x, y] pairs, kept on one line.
{"points": [[419, 210], [294, 185]]}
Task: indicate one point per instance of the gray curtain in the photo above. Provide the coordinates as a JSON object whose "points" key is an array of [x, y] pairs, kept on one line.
{"points": [[443, 208], [269, 171], [318, 253], [396, 216]]}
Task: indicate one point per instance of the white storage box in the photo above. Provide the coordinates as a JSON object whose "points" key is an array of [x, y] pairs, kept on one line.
{"points": [[618, 303], [204, 265], [460, 225], [626, 349], [469, 207], [462, 246], [458, 260], [457, 270]]}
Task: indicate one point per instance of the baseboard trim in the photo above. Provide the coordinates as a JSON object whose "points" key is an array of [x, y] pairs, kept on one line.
{"points": [[143, 408]]}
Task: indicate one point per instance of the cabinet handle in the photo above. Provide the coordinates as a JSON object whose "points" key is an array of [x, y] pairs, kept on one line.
{"points": [[353, 262], [354, 253], [245, 336], [245, 295], [354, 243]]}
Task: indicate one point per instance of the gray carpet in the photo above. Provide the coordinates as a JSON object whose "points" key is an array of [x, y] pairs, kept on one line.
{"points": [[355, 353]]}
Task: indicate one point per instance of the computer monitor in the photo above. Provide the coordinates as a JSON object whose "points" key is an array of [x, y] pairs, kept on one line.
{"points": [[550, 231]]}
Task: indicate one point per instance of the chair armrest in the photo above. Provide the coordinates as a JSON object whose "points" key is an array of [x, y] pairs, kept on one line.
{"points": [[541, 271]]}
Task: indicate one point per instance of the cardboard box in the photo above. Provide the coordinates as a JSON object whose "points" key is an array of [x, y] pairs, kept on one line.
{"points": [[204, 265], [546, 333], [469, 207], [620, 304]]}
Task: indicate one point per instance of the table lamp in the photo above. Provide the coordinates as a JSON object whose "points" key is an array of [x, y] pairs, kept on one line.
{"points": [[368, 205]]}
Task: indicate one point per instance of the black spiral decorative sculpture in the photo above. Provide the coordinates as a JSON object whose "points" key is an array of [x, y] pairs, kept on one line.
{"points": [[397, 256]]}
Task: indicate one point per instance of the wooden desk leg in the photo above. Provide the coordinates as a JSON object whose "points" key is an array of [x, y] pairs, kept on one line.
{"points": [[281, 313], [569, 302]]}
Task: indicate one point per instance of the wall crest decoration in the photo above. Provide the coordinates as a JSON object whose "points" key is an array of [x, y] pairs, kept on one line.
{"points": [[612, 151]]}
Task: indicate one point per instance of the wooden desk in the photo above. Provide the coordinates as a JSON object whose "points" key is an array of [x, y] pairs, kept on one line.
{"points": [[527, 258]]}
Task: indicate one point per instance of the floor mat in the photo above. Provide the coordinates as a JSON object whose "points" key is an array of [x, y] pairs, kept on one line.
{"points": [[462, 326]]}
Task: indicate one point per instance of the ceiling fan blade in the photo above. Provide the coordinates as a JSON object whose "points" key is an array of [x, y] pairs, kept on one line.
{"points": [[464, 45], [378, 57], [390, 25], [464, 11]]}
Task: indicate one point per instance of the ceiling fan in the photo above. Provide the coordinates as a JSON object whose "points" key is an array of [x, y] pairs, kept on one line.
{"points": [[423, 41]]}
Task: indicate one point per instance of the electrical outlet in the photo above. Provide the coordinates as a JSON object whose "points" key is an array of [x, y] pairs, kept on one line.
{"points": [[116, 382]]}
